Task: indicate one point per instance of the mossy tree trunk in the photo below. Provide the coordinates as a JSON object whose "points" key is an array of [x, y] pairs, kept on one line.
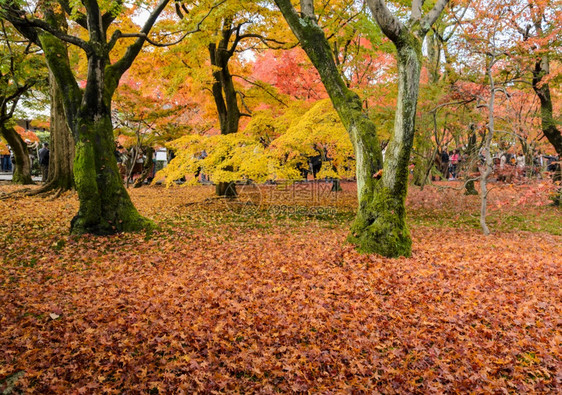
{"points": [[105, 206], [379, 225], [22, 165], [384, 213], [9, 99]]}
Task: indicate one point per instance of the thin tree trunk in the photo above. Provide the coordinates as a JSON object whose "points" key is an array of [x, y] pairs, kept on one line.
{"points": [[148, 164], [22, 165], [472, 164], [487, 144]]}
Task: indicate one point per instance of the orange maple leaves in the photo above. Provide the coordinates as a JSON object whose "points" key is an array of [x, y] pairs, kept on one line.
{"points": [[218, 302]]}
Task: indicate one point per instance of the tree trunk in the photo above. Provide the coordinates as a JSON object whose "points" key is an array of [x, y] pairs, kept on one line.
{"points": [[472, 165], [383, 214], [147, 168], [548, 123], [105, 206], [224, 95], [62, 144], [487, 144], [379, 226], [223, 89], [226, 189], [433, 57], [22, 165]]}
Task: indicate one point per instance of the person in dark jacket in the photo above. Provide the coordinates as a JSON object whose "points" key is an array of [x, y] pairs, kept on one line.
{"points": [[44, 161], [445, 164]]}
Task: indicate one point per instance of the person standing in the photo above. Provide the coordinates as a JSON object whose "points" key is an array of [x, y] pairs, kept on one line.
{"points": [[454, 160], [520, 160], [44, 161], [445, 164]]}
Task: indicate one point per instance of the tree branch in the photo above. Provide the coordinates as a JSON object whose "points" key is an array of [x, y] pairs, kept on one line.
{"points": [[431, 17], [80, 17], [117, 34], [261, 87], [26, 26], [127, 60], [388, 23], [108, 18]]}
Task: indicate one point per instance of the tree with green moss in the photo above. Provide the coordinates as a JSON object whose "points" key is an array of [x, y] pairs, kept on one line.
{"points": [[105, 206], [380, 224]]}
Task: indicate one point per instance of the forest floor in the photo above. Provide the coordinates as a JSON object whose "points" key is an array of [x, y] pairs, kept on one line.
{"points": [[264, 295]]}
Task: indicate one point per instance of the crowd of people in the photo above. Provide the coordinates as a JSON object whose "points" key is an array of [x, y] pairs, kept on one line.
{"points": [[507, 165], [38, 159]]}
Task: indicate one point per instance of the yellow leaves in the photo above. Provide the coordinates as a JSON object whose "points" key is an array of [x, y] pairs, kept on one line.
{"points": [[270, 148]]}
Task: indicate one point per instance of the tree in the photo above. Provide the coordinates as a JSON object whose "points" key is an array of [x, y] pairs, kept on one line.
{"points": [[545, 18], [60, 176], [380, 222], [105, 206], [21, 70]]}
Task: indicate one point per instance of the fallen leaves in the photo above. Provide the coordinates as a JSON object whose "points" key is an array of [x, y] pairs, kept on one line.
{"points": [[216, 302]]}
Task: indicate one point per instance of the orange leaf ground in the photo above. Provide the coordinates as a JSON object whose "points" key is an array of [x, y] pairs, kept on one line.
{"points": [[215, 301]]}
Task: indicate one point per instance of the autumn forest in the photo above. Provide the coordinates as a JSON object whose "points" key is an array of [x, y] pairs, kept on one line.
{"points": [[280, 196]]}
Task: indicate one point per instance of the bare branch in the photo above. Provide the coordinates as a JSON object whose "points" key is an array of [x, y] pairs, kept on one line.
{"points": [[261, 87], [117, 34], [20, 20]]}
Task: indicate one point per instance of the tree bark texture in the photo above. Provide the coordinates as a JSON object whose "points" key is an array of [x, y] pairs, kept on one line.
{"points": [[22, 165], [375, 227], [548, 123], [62, 144]]}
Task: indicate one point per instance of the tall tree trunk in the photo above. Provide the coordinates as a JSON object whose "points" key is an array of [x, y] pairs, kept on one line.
{"points": [[384, 212], [360, 128], [548, 124], [472, 165], [224, 94], [380, 224], [62, 144], [488, 169], [22, 165], [105, 206]]}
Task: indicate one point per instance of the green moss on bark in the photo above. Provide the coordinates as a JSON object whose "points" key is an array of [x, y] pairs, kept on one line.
{"points": [[380, 225], [105, 206]]}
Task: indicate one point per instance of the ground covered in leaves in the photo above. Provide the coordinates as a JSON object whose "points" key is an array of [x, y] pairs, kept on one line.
{"points": [[259, 298]]}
